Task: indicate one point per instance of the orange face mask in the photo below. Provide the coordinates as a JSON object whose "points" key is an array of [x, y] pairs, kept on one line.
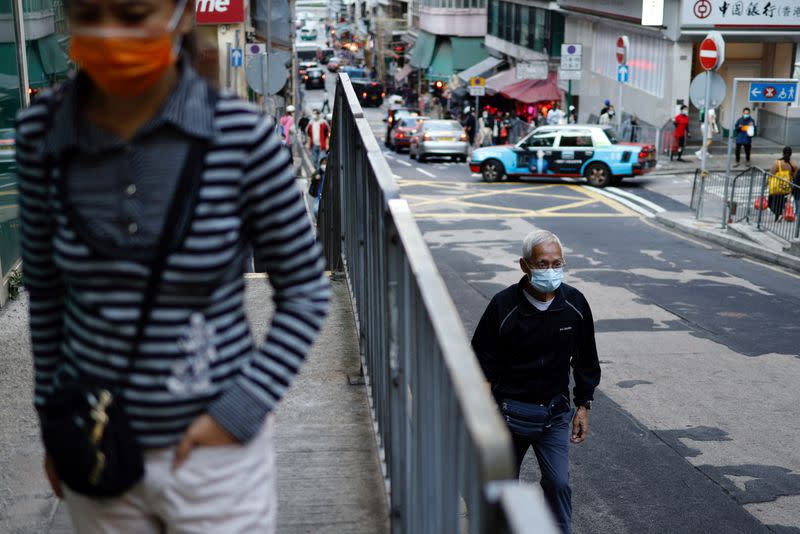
{"points": [[125, 61]]}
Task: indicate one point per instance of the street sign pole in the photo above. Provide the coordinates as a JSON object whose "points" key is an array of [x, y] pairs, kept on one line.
{"points": [[269, 53], [622, 60], [706, 131], [731, 132]]}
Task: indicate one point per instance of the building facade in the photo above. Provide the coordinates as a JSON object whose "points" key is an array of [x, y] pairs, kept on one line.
{"points": [[761, 41]]}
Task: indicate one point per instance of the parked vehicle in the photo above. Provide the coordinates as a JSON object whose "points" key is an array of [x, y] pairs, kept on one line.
{"points": [[444, 138], [588, 151], [324, 55], [305, 66], [307, 51], [314, 78], [369, 93], [392, 117], [308, 34], [401, 134], [354, 72]]}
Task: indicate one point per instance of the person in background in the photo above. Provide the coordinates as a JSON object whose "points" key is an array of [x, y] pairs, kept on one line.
{"points": [[287, 130], [681, 123], [326, 106], [505, 127], [796, 193], [540, 118], [634, 128], [469, 125], [556, 115], [745, 129], [302, 124], [708, 135], [485, 124], [317, 134], [134, 273], [573, 115], [780, 182], [607, 117], [606, 105]]}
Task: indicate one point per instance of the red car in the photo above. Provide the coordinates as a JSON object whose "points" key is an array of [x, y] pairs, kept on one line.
{"points": [[401, 134]]}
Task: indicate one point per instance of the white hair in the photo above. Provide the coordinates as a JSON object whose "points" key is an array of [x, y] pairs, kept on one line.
{"points": [[536, 238]]}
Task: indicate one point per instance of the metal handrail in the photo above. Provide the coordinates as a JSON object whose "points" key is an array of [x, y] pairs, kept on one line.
{"points": [[443, 441], [774, 224]]}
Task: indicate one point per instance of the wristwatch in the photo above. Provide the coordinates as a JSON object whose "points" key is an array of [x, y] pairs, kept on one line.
{"points": [[586, 404]]}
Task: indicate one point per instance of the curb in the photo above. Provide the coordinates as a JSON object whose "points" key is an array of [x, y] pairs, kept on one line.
{"points": [[732, 243]]}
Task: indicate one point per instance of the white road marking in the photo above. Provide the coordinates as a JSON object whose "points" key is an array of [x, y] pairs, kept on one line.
{"points": [[426, 173], [635, 207], [636, 198], [402, 162]]}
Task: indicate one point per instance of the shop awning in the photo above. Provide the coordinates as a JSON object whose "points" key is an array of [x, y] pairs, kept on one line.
{"points": [[467, 51], [422, 53], [481, 68], [501, 80], [402, 73], [442, 65], [530, 91]]}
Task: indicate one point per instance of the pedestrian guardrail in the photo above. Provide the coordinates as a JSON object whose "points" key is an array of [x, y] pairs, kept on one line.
{"points": [[9, 221], [444, 444], [749, 200]]}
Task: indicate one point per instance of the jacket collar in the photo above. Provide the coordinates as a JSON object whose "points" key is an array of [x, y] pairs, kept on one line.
{"points": [[526, 308]]}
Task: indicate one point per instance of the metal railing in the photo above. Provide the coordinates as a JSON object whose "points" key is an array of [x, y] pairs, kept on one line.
{"points": [[444, 443], [749, 201]]}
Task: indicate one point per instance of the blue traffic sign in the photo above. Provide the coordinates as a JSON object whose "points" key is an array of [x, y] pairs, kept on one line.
{"points": [[236, 57], [623, 73], [772, 91]]}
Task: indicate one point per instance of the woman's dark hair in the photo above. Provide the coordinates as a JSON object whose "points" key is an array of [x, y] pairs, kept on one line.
{"points": [[787, 153]]}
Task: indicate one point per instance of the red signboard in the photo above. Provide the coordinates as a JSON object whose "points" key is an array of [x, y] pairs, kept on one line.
{"points": [[708, 54], [219, 11], [622, 49]]}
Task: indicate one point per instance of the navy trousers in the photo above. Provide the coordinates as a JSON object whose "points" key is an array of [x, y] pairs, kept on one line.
{"points": [[552, 452]]}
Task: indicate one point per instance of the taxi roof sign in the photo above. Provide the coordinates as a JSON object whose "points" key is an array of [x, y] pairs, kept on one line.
{"points": [[477, 81]]}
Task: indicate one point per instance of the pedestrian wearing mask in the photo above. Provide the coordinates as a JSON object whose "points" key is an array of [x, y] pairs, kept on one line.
{"points": [[779, 185], [317, 133], [287, 130], [527, 340], [681, 123], [745, 129], [607, 118], [142, 192], [708, 132]]}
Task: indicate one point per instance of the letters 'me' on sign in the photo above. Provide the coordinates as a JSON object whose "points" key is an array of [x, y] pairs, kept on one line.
{"points": [[219, 11]]}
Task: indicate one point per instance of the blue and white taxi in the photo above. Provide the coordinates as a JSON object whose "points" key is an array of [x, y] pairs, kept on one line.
{"points": [[572, 151]]}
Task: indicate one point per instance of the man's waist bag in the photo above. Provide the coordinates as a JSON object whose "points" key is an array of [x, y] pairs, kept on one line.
{"points": [[529, 420]]}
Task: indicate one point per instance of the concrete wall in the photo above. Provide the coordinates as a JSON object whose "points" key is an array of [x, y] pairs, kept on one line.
{"points": [[448, 21], [594, 88]]}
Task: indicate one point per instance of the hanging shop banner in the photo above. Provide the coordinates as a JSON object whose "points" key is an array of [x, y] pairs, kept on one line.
{"points": [[775, 14], [219, 11]]}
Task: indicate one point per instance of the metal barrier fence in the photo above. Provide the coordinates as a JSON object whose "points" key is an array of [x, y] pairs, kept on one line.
{"points": [[749, 201], [9, 218], [444, 442]]}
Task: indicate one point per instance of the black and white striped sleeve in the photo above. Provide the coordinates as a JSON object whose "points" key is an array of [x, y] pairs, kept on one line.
{"points": [[283, 239], [42, 279]]}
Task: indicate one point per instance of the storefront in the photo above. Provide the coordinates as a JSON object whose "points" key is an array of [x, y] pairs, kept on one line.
{"points": [[221, 41]]}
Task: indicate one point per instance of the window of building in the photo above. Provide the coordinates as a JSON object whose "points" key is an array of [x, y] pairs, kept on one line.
{"points": [[517, 21], [493, 17], [647, 59]]}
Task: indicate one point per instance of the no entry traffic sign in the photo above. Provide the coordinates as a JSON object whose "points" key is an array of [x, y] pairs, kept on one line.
{"points": [[712, 51], [622, 49]]}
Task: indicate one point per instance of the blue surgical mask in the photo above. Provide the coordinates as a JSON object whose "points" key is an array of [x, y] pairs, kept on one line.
{"points": [[546, 280], [746, 116]]}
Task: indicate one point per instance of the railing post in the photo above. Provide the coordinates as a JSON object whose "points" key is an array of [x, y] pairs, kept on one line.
{"points": [[699, 213], [763, 187], [750, 201]]}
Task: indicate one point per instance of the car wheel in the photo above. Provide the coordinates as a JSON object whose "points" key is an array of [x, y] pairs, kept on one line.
{"points": [[462, 159], [411, 154], [616, 180], [421, 158], [598, 175], [492, 171]]}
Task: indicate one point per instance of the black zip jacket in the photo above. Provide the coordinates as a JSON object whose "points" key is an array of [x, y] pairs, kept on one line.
{"points": [[526, 354]]}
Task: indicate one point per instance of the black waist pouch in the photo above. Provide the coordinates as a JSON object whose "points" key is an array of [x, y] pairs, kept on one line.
{"points": [[529, 420], [90, 441]]}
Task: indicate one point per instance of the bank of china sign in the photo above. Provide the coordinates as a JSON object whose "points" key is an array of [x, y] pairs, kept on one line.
{"points": [[219, 11], [766, 14]]}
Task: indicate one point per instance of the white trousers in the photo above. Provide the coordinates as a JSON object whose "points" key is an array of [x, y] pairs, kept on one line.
{"points": [[229, 489]]}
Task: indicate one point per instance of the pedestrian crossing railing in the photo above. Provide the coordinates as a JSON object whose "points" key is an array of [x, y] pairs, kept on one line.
{"points": [[445, 450], [747, 200]]}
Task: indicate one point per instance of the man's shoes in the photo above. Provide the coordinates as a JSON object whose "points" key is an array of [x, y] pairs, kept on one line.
{"points": [[737, 164], [681, 159]]}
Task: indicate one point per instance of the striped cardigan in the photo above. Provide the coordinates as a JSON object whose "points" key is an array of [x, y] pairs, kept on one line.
{"points": [[197, 354]]}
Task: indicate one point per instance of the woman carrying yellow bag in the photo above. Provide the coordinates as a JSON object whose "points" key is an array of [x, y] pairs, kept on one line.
{"points": [[780, 182]]}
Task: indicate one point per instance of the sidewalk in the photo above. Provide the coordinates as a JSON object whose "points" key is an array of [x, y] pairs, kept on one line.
{"points": [[329, 477], [739, 237]]}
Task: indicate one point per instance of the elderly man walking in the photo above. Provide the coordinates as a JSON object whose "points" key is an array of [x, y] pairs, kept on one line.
{"points": [[528, 338]]}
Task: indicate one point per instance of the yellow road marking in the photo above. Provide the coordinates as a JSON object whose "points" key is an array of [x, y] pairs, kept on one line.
{"points": [[516, 215], [7, 193], [605, 200], [578, 204]]}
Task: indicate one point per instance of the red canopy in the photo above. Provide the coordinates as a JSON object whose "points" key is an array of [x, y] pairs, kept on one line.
{"points": [[530, 91]]}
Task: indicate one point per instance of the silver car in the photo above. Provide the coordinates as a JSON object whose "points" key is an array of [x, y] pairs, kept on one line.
{"points": [[439, 138]]}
